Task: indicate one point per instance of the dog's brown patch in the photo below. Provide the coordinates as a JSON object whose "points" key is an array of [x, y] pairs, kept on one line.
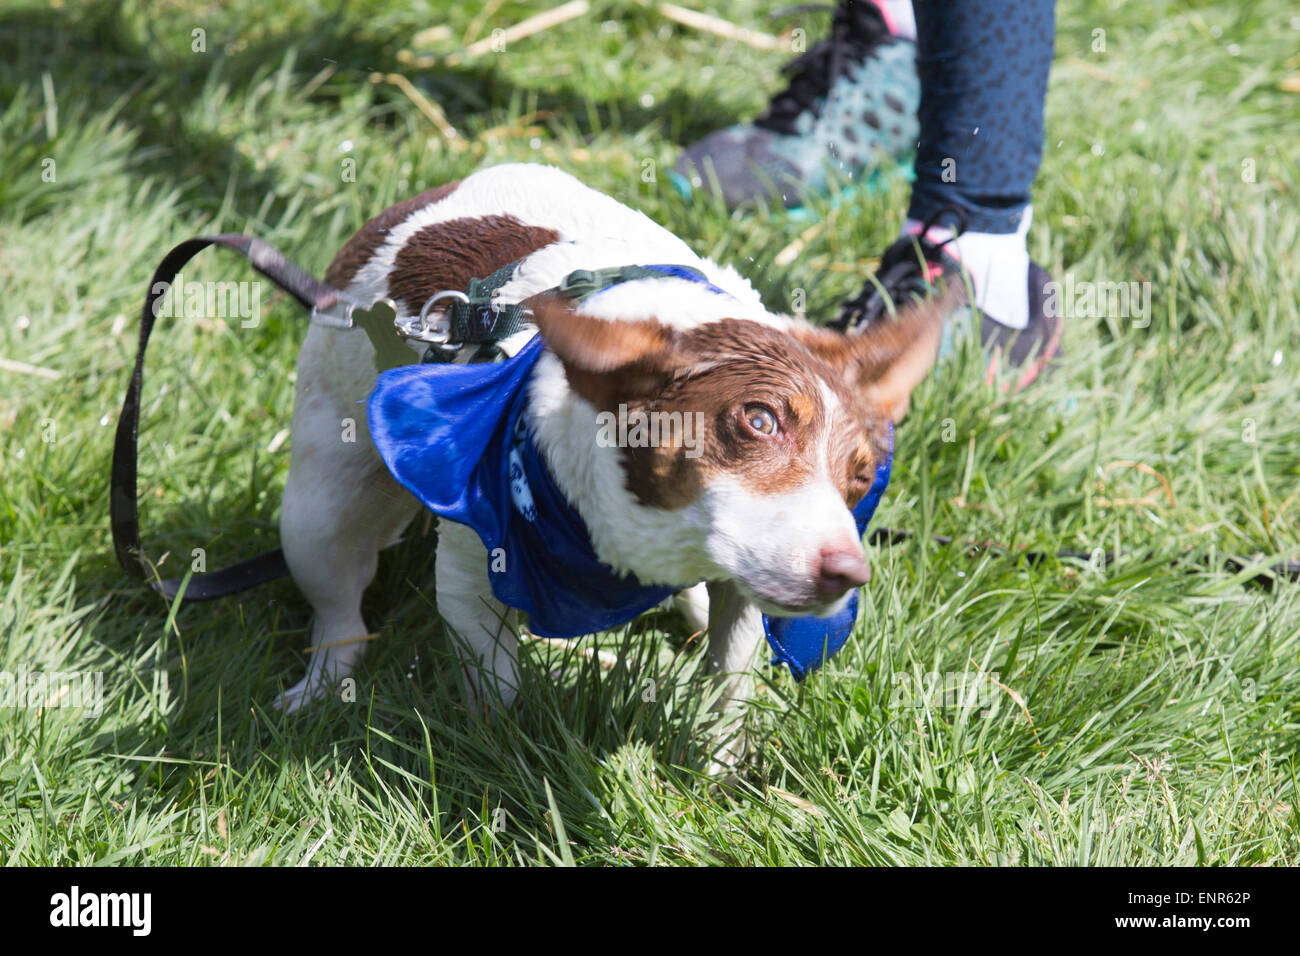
{"points": [[715, 371], [887, 360], [361, 248], [605, 362], [446, 255], [735, 364]]}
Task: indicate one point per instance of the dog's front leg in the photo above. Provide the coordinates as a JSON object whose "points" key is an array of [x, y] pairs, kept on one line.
{"points": [[735, 631], [485, 631]]}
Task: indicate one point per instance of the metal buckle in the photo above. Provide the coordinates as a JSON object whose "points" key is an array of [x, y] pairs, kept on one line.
{"points": [[577, 279], [386, 332], [436, 334]]}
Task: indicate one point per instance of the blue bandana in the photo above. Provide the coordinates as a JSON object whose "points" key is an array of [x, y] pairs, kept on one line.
{"points": [[454, 436]]}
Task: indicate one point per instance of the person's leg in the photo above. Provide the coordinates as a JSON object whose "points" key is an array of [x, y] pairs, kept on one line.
{"points": [[983, 68]]}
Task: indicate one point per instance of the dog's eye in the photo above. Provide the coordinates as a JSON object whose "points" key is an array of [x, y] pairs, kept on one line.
{"points": [[761, 418]]}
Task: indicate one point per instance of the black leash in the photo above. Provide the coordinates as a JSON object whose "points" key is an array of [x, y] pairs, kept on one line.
{"points": [[123, 505], [474, 318]]}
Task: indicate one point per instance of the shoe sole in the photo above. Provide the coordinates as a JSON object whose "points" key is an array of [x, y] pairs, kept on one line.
{"points": [[1034, 369]]}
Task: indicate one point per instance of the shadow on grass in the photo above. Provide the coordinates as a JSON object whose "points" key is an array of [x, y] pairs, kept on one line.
{"points": [[97, 62], [227, 661]]}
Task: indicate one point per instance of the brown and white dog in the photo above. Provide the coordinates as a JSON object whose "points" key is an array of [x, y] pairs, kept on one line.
{"points": [[795, 421]]}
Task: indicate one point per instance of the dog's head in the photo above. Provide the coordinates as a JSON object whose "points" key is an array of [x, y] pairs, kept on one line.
{"points": [[760, 439]]}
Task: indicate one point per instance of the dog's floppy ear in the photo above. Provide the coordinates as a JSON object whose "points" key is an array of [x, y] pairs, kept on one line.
{"points": [[606, 361], [891, 357]]}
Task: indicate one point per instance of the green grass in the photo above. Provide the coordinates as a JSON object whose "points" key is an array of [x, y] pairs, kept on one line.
{"points": [[1147, 712]]}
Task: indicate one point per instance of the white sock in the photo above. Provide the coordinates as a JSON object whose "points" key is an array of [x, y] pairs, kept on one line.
{"points": [[899, 16], [998, 264]]}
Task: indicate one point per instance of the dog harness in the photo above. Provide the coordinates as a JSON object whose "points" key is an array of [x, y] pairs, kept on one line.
{"points": [[454, 435]]}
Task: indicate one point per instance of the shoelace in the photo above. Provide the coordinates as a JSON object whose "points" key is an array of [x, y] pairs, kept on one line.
{"points": [[902, 274], [856, 30]]}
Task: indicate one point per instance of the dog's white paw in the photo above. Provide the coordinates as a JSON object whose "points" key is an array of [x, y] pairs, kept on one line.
{"points": [[307, 691], [329, 673], [321, 682], [693, 605], [726, 766]]}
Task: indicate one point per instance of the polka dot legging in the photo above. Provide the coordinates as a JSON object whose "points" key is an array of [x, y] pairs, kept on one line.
{"points": [[983, 68]]}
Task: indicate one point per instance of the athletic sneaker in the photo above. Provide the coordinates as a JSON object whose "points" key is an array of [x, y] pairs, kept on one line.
{"points": [[850, 105], [912, 267]]}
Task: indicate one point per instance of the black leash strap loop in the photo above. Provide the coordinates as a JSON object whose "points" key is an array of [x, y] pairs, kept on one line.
{"points": [[123, 505]]}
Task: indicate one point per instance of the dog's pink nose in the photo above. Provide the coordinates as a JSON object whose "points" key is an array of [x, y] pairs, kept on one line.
{"points": [[840, 570]]}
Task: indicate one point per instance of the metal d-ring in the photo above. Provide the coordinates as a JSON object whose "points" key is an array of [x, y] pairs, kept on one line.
{"points": [[434, 300]]}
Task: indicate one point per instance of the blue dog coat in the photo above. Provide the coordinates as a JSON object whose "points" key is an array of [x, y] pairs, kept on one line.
{"points": [[454, 436]]}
